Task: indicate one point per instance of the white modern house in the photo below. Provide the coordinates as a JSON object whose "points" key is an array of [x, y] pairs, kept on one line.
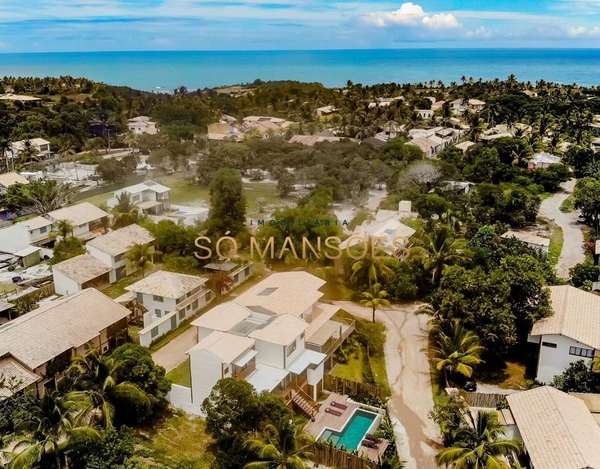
{"points": [[80, 272], [56, 331], [41, 146], [87, 219], [170, 299], [276, 336], [460, 106], [532, 240], [571, 334], [557, 429], [33, 231], [142, 125], [112, 248], [148, 196]]}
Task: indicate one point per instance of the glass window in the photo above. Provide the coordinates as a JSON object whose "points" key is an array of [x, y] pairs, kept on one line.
{"points": [[581, 352], [154, 332], [195, 305], [140, 298], [158, 299], [181, 315], [236, 277], [290, 348], [43, 229], [157, 312], [548, 344], [247, 271]]}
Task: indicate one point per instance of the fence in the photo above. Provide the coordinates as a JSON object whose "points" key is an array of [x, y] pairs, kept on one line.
{"points": [[130, 181], [330, 456], [484, 400], [345, 386]]}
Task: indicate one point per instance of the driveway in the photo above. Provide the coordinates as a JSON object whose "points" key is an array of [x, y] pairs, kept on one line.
{"points": [[173, 353], [572, 250], [410, 380]]}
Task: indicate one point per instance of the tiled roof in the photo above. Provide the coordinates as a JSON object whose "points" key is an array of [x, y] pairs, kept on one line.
{"points": [[78, 214], [223, 317], [8, 179], [55, 327], [281, 330], [284, 292], [16, 377], [120, 241], [82, 268], [558, 430], [167, 284], [35, 223], [576, 315], [225, 346]]}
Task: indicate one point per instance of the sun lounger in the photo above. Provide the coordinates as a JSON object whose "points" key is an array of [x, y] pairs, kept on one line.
{"points": [[369, 444], [338, 405], [370, 436], [332, 412]]}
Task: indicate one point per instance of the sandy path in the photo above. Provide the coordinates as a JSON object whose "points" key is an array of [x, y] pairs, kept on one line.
{"points": [[173, 353]]}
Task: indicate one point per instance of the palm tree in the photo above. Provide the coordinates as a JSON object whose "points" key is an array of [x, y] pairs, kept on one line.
{"points": [[140, 258], [95, 375], [220, 282], [29, 152], [370, 270], [375, 298], [480, 445], [64, 229], [456, 352], [438, 249], [281, 446], [48, 429]]}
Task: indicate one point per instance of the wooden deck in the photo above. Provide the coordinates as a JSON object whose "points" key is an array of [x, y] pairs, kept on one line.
{"points": [[336, 423]]}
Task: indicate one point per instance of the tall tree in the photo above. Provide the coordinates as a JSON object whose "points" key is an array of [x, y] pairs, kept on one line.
{"points": [[375, 298], [220, 282], [40, 197], [373, 269], [140, 258], [227, 204]]}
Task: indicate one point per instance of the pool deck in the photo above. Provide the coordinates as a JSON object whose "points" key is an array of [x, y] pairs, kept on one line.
{"points": [[336, 423]]}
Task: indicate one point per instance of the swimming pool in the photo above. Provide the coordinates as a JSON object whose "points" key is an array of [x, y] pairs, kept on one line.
{"points": [[353, 432]]}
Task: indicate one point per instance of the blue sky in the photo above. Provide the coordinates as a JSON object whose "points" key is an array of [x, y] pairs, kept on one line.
{"points": [[95, 25]]}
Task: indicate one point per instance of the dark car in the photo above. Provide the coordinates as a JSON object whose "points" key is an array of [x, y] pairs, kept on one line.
{"points": [[464, 382]]}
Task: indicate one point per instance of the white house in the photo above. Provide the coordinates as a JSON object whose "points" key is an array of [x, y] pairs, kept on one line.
{"points": [[9, 179], [59, 329], [459, 105], [277, 336], [170, 299], [148, 196], [557, 429], [80, 272], [31, 232], [532, 240], [543, 160], [325, 111], [86, 218], [113, 248], [41, 146], [571, 334], [142, 125], [424, 113]]}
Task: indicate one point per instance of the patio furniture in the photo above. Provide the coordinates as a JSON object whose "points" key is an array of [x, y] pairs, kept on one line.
{"points": [[369, 444], [332, 412], [338, 405], [371, 437]]}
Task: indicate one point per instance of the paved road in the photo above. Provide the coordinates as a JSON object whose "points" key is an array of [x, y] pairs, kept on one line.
{"points": [[572, 251], [410, 380], [173, 353]]}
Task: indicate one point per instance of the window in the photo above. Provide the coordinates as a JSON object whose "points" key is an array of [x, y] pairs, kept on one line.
{"points": [[43, 229], [195, 305], [236, 277], [158, 299], [157, 313], [225, 370], [581, 352], [548, 344], [188, 294], [140, 298], [181, 315], [247, 271], [290, 349], [154, 332]]}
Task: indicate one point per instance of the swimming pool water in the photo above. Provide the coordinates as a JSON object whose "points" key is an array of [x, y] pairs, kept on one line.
{"points": [[354, 431]]}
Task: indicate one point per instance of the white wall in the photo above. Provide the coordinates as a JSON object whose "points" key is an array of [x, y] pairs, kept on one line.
{"points": [[270, 354], [164, 307], [206, 371], [64, 285], [81, 229], [162, 327], [554, 361], [295, 353], [316, 375], [181, 398], [37, 235], [14, 238]]}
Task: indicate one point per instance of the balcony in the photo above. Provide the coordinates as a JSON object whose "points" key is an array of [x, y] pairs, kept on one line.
{"points": [[330, 336]]}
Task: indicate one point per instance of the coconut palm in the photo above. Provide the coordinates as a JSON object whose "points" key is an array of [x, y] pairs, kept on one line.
{"points": [[375, 298], [438, 249], [48, 429], [140, 258], [64, 229], [29, 152], [281, 446], [370, 270], [481, 444], [95, 375], [457, 351]]}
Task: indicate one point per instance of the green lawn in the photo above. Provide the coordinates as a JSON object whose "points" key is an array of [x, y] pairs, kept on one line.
{"points": [[351, 370], [181, 375], [178, 441], [556, 244], [118, 288], [567, 205]]}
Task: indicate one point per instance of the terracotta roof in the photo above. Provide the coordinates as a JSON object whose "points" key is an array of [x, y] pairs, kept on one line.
{"points": [[576, 315], [8, 179], [55, 327], [82, 268], [558, 430], [225, 346], [281, 330], [79, 214], [167, 284], [120, 241]]}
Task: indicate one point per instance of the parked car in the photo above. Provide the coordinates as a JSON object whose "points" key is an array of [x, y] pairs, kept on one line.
{"points": [[464, 382], [581, 219]]}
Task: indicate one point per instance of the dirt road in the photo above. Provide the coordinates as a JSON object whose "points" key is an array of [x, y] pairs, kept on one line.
{"points": [[408, 373], [173, 353], [572, 250]]}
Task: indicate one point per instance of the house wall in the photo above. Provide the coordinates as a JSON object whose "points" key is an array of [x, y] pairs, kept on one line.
{"points": [[64, 285], [81, 229], [40, 234], [243, 273], [181, 398], [156, 309], [270, 354], [299, 348], [554, 361], [31, 259], [206, 371]]}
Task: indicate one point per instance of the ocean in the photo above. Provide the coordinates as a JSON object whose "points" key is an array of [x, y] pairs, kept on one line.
{"points": [[168, 70]]}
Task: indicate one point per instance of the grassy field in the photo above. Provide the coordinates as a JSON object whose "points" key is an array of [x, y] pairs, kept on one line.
{"points": [[513, 376], [181, 374], [179, 440], [556, 244], [351, 370], [118, 288]]}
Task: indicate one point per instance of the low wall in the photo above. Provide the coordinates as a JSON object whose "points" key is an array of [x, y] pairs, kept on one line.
{"points": [[181, 398]]}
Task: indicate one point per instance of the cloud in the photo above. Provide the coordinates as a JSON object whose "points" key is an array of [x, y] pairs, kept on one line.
{"points": [[479, 33], [411, 15], [582, 31]]}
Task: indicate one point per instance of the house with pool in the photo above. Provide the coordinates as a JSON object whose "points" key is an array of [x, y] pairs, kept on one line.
{"points": [[277, 336]]}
